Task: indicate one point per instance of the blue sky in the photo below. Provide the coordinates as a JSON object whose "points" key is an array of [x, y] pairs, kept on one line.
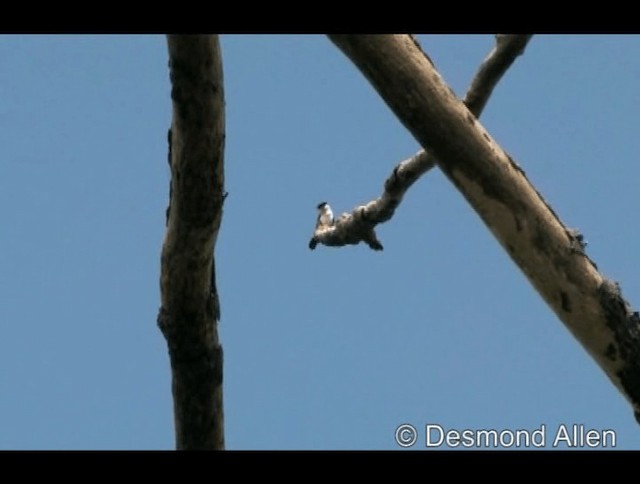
{"points": [[331, 349]]}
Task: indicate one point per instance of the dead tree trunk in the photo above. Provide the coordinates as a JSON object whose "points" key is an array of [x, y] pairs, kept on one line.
{"points": [[550, 254], [190, 310]]}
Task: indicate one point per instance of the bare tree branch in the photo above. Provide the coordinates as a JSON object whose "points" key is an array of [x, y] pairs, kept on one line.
{"points": [[351, 228], [548, 253], [505, 52], [190, 310]]}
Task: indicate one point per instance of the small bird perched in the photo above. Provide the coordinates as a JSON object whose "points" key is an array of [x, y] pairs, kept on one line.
{"points": [[361, 230], [325, 219]]}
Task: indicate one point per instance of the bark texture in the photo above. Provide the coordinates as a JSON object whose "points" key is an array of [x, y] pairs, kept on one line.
{"points": [[190, 309], [550, 254], [358, 225]]}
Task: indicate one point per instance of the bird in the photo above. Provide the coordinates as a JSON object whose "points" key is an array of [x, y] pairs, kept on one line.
{"points": [[325, 219]]}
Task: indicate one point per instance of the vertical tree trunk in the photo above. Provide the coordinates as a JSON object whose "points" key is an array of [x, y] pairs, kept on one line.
{"points": [[190, 310]]}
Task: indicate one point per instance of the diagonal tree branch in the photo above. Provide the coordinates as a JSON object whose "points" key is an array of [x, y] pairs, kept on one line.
{"points": [[547, 252], [190, 310], [496, 64], [356, 226]]}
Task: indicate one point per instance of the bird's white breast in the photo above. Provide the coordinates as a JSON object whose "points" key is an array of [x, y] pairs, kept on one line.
{"points": [[326, 215]]}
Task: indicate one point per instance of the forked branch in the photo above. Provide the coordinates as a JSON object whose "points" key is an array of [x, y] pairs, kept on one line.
{"points": [[358, 225], [547, 252]]}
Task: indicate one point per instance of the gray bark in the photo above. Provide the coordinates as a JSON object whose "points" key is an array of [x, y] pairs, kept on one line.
{"points": [[550, 254], [359, 225]]}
